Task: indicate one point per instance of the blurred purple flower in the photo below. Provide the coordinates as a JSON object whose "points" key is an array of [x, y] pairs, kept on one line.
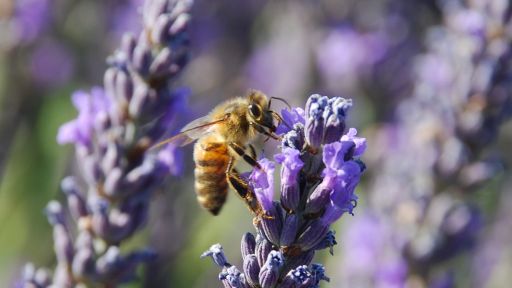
{"points": [[91, 106], [370, 254], [462, 95], [30, 19], [125, 17], [344, 54], [112, 134], [51, 63]]}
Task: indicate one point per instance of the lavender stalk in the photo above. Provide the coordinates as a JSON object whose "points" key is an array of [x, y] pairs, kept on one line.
{"points": [[114, 128], [420, 213], [320, 169]]}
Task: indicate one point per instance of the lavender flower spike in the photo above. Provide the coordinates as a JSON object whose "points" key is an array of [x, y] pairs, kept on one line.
{"points": [[319, 175], [115, 126]]}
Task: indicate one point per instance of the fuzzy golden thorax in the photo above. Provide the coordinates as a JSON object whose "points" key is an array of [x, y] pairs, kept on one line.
{"points": [[245, 114]]}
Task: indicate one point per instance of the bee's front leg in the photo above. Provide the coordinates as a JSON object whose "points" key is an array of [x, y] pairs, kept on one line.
{"points": [[262, 130]]}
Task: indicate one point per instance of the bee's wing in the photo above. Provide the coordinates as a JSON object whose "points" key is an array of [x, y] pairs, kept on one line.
{"points": [[192, 131]]}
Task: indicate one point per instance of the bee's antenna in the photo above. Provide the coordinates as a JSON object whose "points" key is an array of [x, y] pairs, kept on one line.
{"points": [[280, 99]]}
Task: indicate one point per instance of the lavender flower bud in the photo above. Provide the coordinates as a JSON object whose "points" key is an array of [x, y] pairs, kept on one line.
{"points": [[128, 43], [161, 28], [269, 273], [123, 87], [113, 182], [248, 244], [232, 278], [141, 59], [291, 166], [63, 245], [270, 225], [84, 263], [334, 116], [217, 254], [299, 277], [61, 276], [76, 202], [263, 248], [289, 231], [251, 270], [33, 277], [314, 114], [179, 24], [160, 66], [111, 158], [140, 100], [312, 235]]}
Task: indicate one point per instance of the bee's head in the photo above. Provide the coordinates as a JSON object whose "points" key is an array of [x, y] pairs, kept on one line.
{"points": [[259, 111]]}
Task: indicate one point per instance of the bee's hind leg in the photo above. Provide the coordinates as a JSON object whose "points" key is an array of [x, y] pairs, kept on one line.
{"points": [[240, 151], [242, 188]]}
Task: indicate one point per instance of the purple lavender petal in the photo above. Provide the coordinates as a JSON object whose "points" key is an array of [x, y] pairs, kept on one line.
{"points": [[291, 165], [262, 182], [290, 118], [360, 142]]}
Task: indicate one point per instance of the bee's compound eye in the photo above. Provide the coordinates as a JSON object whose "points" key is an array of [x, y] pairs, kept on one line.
{"points": [[255, 110]]}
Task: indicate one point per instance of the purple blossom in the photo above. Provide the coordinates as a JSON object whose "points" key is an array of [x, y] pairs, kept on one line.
{"points": [[262, 181], [295, 115], [344, 55], [358, 141], [291, 163], [30, 19], [51, 63], [461, 97], [291, 166], [90, 106]]}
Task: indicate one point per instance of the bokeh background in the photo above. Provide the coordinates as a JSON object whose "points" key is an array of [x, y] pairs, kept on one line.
{"points": [[401, 61]]}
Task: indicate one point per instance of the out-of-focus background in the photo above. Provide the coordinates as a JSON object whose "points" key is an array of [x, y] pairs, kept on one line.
{"points": [[379, 53]]}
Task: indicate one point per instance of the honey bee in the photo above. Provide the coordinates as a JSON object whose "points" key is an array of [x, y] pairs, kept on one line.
{"points": [[223, 136]]}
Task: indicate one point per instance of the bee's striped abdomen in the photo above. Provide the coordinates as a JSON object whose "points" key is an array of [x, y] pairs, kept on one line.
{"points": [[211, 158]]}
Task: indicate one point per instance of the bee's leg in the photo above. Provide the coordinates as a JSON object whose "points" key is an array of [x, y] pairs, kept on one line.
{"points": [[253, 151], [265, 132], [242, 187], [240, 151]]}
